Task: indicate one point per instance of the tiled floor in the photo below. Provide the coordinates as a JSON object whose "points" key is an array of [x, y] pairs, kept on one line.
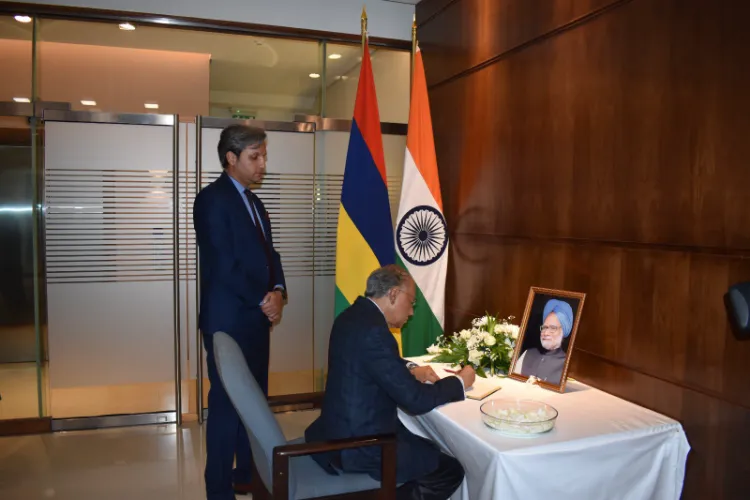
{"points": [[144, 463]]}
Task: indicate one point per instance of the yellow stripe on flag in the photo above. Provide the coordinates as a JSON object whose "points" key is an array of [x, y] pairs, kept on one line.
{"points": [[355, 259]]}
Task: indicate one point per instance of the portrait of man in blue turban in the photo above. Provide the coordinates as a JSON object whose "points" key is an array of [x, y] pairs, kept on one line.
{"points": [[547, 361]]}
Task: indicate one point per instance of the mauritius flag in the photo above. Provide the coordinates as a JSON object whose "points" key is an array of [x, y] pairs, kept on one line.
{"points": [[364, 239], [421, 232]]}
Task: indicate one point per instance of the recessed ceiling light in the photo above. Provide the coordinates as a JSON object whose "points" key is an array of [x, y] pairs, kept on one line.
{"points": [[88, 103], [21, 99], [314, 75], [334, 56], [151, 105], [23, 19], [127, 27]]}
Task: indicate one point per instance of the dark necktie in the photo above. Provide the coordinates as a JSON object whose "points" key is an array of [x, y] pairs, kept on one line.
{"points": [[254, 204]]}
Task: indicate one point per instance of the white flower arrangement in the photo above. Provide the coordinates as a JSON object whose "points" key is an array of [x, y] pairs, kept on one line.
{"points": [[487, 346]]}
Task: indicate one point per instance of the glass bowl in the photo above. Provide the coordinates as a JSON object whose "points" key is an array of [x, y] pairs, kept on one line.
{"points": [[519, 417]]}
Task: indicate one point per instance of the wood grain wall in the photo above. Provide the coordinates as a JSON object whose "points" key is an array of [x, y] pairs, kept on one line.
{"points": [[603, 146]]}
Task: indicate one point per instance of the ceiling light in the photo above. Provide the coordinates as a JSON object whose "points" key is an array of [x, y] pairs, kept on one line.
{"points": [[151, 105], [23, 19], [88, 103], [21, 99], [314, 75], [334, 56], [127, 27]]}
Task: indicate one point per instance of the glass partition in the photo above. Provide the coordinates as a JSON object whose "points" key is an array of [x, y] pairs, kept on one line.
{"points": [[146, 69], [392, 73], [19, 353], [108, 67]]}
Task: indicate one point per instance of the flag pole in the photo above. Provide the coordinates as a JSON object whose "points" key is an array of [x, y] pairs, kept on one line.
{"points": [[364, 27], [413, 50]]}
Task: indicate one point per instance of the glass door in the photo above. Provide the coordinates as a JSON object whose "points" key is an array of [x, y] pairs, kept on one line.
{"points": [[111, 268], [20, 347], [287, 193]]}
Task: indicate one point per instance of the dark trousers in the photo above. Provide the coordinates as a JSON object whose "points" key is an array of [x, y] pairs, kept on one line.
{"points": [[439, 484], [226, 436]]}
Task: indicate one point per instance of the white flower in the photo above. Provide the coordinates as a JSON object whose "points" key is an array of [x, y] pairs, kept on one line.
{"points": [[489, 340], [465, 334], [475, 356], [433, 349], [480, 321], [500, 328], [473, 342], [514, 329]]}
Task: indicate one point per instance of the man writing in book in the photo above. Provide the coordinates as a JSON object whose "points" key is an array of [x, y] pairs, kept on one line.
{"points": [[368, 381]]}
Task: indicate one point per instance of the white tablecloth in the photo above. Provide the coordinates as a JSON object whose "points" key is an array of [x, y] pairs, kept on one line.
{"points": [[602, 447]]}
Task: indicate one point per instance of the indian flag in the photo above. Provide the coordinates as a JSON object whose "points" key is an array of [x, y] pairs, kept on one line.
{"points": [[421, 234]]}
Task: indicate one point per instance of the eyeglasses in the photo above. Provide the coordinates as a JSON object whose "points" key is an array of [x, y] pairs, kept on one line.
{"points": [[551, 328], [413, 299]]}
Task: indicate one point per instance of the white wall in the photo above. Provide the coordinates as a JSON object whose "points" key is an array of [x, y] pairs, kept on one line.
{"points": [[385, 19]]}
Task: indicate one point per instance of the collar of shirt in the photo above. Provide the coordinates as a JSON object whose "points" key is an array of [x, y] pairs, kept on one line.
{"points": [[237, 184]]}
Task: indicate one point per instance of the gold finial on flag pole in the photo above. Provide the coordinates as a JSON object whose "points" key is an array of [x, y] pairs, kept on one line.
{"points": [[364, 26]]}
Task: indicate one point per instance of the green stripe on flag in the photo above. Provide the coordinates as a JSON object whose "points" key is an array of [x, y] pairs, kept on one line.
{"points": [[340, 303], [422, 329]]}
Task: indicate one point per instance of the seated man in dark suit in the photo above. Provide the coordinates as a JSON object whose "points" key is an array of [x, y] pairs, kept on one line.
{"points": [[368, 381]]}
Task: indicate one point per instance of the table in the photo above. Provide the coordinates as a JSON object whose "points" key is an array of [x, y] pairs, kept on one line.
{"points": [[602, 447]]}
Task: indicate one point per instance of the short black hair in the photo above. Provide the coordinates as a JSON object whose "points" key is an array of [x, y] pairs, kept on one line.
{"points": [[236, 138]]}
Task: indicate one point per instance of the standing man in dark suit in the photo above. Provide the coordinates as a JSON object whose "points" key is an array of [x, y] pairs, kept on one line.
{"points": [[242, 294], [368, 381]]}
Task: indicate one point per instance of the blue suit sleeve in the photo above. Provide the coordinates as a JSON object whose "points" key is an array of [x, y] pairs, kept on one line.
{"points": [[383, 364], [215, 242]]}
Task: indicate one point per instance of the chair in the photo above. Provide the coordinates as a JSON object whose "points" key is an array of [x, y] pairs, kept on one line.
{"points": [[285, 468]]}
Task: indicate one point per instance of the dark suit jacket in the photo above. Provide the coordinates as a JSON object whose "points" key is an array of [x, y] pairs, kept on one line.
{"points": [[234, 267], [367, 381]]}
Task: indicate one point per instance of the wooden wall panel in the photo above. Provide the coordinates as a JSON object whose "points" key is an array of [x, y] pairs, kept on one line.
{"points": [[625, 115], [603, 147], [468, 33], [655, 311]]}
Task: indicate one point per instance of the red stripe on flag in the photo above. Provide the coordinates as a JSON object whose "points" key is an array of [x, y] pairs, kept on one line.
{"points": [[366, 113]]}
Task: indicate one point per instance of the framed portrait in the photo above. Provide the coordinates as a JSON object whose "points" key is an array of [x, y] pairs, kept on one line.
{"points": [[548, 331]]}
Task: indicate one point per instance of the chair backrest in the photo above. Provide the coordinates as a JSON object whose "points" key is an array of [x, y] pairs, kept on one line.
{"points": [[251, 404]]}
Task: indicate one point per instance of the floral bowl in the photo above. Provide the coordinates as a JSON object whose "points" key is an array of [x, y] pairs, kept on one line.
{"points": [[519, 417]]}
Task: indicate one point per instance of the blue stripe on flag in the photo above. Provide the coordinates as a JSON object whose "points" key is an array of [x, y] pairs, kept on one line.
{"points": [[365, 198]]}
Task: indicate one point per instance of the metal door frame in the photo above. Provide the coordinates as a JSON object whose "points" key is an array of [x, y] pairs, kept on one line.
{"points": [[67, 116], [301, 124], [208, 122]]}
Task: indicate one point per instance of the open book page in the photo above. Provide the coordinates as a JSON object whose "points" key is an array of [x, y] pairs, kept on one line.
{"points": [[482, 388]]}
